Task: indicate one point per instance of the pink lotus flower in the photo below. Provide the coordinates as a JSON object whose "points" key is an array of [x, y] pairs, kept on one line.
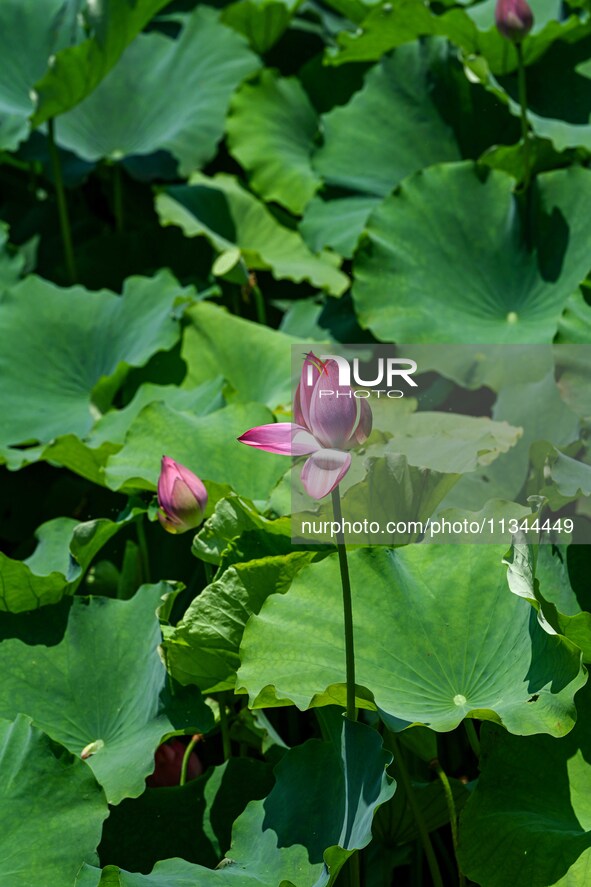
{"points": [[329, 421], [514, 19], [181, 496]]}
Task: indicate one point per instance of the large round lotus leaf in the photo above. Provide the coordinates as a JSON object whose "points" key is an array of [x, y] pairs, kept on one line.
{"points": [[51, 809], [389, 129], [448, 258], [271, 129], [103, 686], [438, 637], [130, 113], [64, 352], [529, 819], [30, 32], [76, 70]]}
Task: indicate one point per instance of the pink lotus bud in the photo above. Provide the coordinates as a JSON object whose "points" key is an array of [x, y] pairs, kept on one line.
{"points": [[168, 762], [182, 497], [514, 19]]}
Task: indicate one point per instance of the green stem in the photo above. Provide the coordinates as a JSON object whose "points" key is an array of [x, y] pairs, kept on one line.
{"points": [[347, 607], [472, 737], [118, 198], [416, 811], [524, 120], [62, 206], [195, 739], [208, 572], [259, 304], [453, 815], [143, 546], [224, 726]]}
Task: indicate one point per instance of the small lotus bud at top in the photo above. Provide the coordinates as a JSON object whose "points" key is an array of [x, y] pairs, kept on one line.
{"points": [[182, 497], [514, 19]]}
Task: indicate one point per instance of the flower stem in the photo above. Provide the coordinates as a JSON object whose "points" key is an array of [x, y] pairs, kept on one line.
{"points": [[62, 206], [347, 607], [225, 729], [184, 766], [453, 815], [524, 120], [416, 811]]}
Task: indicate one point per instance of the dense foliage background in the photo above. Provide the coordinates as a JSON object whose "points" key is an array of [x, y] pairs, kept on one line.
{"points": [[186, 190]]}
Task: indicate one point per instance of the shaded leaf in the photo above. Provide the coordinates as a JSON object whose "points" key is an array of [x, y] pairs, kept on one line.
{"points": [[76, 71], [37, 776], [271, 129], [64, 551], [68, 365], [131, 114], [221, 210], [104, 684], [528, 818]]}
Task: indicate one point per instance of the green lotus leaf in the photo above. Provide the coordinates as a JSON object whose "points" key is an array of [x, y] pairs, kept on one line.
{"points": [[271, 129], [203, 648], [36, 776], [528, 819], [208, 444], [104, 689], [261, 21], [492, 287], [192, 821], [76, 71], [255, 360], [68, 364], [548, 588], [447, 623], [391, 128], [130, 113], [337, 224], [221, 210], [333, 792], [388, 26], [574, 326], [64, 551], [235, 518], [41, 27]]}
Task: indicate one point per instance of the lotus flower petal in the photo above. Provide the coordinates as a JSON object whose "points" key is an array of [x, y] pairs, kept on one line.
{"points": [[312, 370], [323, 471], [334, 411], [363, 430], [283, 438]]}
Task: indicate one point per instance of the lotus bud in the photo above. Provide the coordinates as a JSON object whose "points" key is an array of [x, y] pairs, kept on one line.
{"points": [[182, 497], [514, 19]]}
